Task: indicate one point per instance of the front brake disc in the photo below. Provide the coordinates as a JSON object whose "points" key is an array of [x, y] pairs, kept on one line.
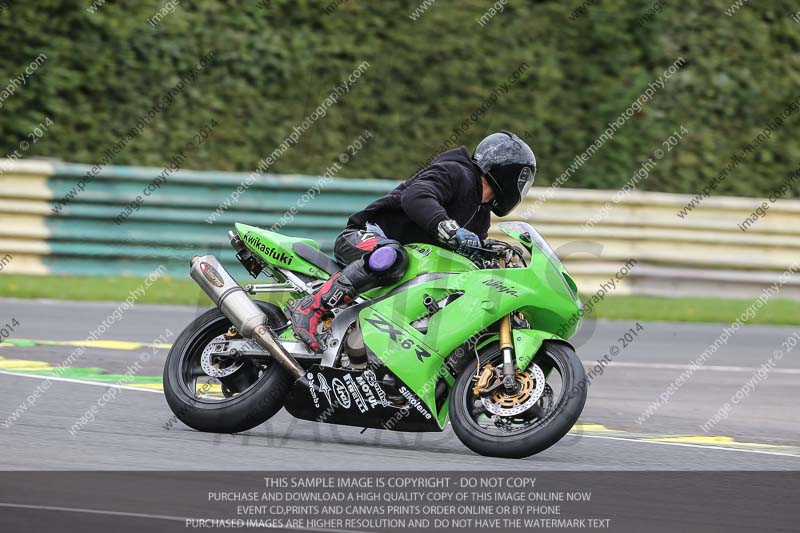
{"points": [[511, 405]]}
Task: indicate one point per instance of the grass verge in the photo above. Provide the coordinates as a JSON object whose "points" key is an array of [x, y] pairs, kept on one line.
{"points": [[100, 289], [185, 292], [714, 310]]}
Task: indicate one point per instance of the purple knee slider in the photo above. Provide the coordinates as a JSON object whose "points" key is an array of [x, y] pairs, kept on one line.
{"points": [[382, 258]]}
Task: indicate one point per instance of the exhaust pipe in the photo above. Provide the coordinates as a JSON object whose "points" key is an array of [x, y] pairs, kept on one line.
{"points": [[234, 303]]}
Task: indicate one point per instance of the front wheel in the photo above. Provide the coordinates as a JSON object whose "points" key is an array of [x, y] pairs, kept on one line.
{"points": [[546, 405]]}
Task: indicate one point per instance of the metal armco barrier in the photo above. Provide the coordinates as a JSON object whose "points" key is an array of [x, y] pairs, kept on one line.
{"points": [[703, 254]]}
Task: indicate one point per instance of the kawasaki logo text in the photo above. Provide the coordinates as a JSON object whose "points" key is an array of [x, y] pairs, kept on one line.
{"points": [[280, 257]]}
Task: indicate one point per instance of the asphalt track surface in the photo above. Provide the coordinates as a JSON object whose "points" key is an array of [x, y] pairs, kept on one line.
{"points": [[762, 432]]}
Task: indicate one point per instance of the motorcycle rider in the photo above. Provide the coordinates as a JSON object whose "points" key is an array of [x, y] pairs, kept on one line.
{"points": [[446, 203]]}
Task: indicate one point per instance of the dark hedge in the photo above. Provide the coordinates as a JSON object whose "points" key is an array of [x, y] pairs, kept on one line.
{"points": [[275, 61]]}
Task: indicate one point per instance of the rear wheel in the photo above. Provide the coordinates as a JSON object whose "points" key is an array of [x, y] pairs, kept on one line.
{"points": [[546, 406], [222, 396]]}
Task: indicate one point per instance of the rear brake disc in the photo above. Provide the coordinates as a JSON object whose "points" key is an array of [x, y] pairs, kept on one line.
{"points": [[216, 347]]}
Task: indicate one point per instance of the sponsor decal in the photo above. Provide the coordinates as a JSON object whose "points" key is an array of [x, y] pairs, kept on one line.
{"points": [[368, 394], [341, 393], [324, 388], [415, 403], [211, 274], [372, 379], [277, 255], [501, 287], [311, 390], [422, 250], [355, 393]]}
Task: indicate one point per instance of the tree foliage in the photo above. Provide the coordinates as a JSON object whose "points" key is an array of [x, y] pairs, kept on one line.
{"points": [[276, 61]]}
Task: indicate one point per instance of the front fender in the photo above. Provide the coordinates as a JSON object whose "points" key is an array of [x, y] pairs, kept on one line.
{"points": [[527, 343]]}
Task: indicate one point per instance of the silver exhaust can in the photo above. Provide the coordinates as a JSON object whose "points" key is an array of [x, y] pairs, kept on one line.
{"points": [[234, 303]]}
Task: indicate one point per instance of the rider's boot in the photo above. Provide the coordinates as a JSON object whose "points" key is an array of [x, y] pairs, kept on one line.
{"points": [[338, 291]]}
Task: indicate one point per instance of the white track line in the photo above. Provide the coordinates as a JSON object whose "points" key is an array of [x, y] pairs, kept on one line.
{"points": [[151, 516], [716, 368], [92, 511], [624, 439], [685, 444], [81, 381]]}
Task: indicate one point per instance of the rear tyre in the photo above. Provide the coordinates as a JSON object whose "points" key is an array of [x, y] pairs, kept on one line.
{"points": [[529, 432], [246, 399]]}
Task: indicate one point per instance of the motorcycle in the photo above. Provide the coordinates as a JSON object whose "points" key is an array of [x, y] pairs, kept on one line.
{"points": [[478, 340]]}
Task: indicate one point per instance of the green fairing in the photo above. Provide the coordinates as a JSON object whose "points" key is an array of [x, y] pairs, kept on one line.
{"points": [[540, 291], [424, 258], [527, 342], [276, 249]]}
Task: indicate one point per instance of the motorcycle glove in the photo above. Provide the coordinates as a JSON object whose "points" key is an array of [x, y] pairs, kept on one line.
{"points": [[459, 239]]}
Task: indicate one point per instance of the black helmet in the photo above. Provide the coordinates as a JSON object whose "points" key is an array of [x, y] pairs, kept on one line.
{"points": [[509, 165]]}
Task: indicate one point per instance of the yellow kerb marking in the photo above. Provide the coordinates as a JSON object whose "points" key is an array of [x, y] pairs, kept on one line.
{"points": [[711, 440], [149, 386], [592, 427], [108, 345], [694, 439], [22, 364]]}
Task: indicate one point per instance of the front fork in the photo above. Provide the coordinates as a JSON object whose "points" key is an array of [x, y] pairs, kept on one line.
{"points": [[507, 349]]}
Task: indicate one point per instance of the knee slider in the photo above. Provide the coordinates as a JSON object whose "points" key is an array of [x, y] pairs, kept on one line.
{"points": [[389, 262]]}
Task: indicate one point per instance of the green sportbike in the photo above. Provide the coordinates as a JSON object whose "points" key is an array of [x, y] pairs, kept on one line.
{"points": [[480, 341]]}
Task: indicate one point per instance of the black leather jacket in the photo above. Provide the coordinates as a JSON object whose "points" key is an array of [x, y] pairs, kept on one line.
{"points": [[450, 187]]}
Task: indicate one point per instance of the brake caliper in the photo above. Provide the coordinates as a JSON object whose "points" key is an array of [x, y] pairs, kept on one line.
{"points": [[482, 381]]}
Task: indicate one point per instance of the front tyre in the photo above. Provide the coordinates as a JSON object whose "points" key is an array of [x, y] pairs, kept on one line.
{"points": [[246, 396], [499, 425]]}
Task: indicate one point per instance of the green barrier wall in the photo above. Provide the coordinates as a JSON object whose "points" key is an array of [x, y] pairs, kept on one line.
{"points": [[172, 223], [702, 253]]}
